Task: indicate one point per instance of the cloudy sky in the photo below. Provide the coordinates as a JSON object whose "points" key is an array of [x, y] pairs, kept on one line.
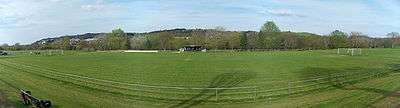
{"points": [[25, 21]]}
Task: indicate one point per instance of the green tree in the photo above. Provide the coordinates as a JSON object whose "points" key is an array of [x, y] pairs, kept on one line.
{"points": [[137, 42], [147, 43], [214, 38], [261, 40], [197, 38], [230, 40], [81, 45], [100, 44], [289, 40], [178, 43], [252, 38], [387, 43], [244, 45], [337, 39], [17, 46], [117, 40], [269, 36], [5, 46], [269, 27], [65, 43], [308, 42]]}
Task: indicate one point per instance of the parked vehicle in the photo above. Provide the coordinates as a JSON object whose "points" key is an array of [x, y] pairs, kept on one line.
{"points": [[3, 53]]}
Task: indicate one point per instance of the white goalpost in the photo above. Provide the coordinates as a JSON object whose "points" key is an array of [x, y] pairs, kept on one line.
{"points": [[55, 52], [349, 51], [46, 52]]}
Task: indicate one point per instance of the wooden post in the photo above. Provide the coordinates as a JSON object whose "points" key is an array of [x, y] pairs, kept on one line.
{"points": [[289, 89], [255, 94], [352, 52], [337, 80], [377, 75], [216, 95], [344, 79]]}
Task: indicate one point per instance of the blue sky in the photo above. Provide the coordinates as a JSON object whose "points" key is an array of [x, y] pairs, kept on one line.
{"points": [[25, 21]]}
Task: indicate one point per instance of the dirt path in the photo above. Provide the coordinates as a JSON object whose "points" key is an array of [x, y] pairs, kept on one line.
{"points": [[390, 101], [4, 103]]}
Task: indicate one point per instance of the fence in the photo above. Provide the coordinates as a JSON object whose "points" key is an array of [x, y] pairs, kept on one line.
{"points": [[221, 91], [37, 52]]}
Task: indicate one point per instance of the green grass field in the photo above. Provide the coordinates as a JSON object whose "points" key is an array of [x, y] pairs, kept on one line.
{"points": [[319, 78]]}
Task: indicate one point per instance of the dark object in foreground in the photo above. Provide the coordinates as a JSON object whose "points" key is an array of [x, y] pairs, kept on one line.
{"points": [[29, 100], [3, 53]]}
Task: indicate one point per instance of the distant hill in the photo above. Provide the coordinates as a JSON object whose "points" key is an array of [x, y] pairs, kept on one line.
{"points": [[86, 36], [94, 36]]}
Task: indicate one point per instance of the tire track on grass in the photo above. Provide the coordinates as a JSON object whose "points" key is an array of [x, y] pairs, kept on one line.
{"points": [[83, 77], [116, 82], [139, 97], [56, 74], [89, 89], [106, 83], [168, 98], [127, 85]]}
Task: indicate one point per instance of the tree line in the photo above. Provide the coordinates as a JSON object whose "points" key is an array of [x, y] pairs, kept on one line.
{"points": [[270, 37]]}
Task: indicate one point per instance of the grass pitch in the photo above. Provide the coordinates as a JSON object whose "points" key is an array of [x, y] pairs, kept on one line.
{"points": [[258, 79]]}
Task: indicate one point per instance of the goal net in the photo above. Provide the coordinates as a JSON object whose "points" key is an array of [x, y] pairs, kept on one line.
{"points": [[349, 51], [48, 52]]}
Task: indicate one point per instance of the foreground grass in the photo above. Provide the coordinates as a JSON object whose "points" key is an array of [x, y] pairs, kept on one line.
{"points": [[264, 69]]}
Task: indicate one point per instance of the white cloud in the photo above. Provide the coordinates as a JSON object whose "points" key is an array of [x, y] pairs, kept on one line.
{"points": [[283, 12], [56, 0], [11, 15], [94, 7]]}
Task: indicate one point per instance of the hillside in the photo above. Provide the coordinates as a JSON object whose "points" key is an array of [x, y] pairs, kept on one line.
{"points": [[93, 36]]}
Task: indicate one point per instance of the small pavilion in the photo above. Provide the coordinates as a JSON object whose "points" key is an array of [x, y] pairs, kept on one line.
{"points": [[192, 48]]}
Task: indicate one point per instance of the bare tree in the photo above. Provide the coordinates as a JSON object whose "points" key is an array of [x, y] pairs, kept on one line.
{"points": [[395, 38], [358, 40], [214, 38], [165, 40], [289, 41]]}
